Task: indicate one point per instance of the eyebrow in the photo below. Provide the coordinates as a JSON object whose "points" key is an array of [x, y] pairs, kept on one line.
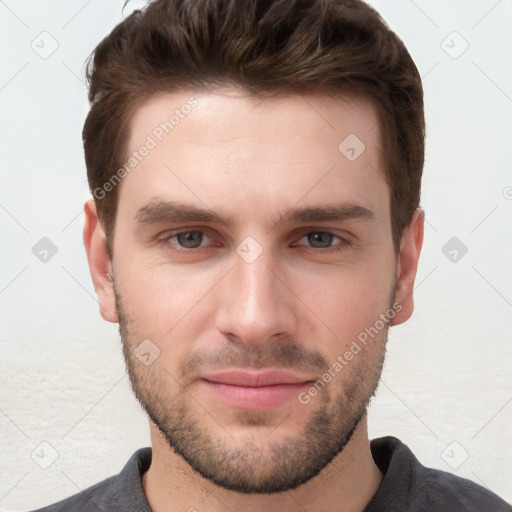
{"points": [[177, 211]]}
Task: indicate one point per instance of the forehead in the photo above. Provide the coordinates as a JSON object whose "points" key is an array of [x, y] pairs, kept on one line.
{"points": [[311, 117], [232, 151]]}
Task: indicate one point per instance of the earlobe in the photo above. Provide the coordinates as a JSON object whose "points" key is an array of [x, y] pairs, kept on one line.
{"points": [[407, 266], [99, 262]]}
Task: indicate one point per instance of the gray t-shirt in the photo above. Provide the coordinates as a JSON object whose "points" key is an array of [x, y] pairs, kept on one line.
{"points": [[407, 486]]}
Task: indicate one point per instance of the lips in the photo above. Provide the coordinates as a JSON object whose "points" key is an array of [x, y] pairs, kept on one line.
{"points": [[256, 379], [260, 390]]}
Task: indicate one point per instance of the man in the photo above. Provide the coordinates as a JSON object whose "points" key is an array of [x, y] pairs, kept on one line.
{"points": [[255, 230]]}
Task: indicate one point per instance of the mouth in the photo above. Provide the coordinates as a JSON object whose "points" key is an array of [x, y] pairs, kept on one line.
{"points": [[256, 391]]}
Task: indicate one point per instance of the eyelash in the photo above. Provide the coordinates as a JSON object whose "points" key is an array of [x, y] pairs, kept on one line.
{"points": [[166, 242]]}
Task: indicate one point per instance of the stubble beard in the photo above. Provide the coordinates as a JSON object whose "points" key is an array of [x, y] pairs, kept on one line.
{"points": [[236, 463]]}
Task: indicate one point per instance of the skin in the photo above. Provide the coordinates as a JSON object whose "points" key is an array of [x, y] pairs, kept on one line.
{"points": [[298, 305]]}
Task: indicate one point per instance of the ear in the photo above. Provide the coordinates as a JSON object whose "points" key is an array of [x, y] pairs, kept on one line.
{"points": [[407, 265], [99, 263]]}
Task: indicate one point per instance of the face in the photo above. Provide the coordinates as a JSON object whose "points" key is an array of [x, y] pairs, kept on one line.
{"points": [[254, 280]]}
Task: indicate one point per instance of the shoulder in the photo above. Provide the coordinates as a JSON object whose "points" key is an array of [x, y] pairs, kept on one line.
{"points": [[418, 488], [121, 492], [88, 500]]}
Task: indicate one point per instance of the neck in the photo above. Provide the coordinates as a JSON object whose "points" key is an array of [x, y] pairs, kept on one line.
{"points": [[346, 484]]}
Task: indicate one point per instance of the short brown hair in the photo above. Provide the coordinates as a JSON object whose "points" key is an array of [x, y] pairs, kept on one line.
{"points": [[265, 47]]}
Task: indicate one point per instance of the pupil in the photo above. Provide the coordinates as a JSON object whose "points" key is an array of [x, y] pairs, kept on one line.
{"points": [[320, 239], [190, 239]]}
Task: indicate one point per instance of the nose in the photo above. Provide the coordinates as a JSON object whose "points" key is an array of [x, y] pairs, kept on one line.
{"points": [[257, 303]]}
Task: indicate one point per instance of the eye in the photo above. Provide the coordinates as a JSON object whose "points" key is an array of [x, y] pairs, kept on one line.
{"points": [[185, 239], [324, 240], [190, 239]]}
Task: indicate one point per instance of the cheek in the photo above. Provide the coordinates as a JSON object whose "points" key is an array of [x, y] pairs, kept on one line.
{"points": [[165, 302], [350, 301]]}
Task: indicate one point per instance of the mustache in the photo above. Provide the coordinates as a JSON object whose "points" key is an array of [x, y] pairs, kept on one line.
{"points": [[279, 354]]}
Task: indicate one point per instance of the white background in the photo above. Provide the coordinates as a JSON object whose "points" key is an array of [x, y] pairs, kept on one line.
{"points": [[446, 389]]}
